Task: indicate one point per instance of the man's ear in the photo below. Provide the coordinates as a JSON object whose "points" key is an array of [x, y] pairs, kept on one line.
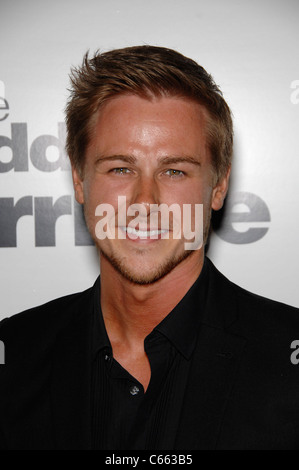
{"points": [[219, 191], [78, 185]]}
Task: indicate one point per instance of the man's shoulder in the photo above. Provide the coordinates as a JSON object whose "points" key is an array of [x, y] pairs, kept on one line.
{"points": [[244, 294], [251, 305], [53, 310], [41, 325]]}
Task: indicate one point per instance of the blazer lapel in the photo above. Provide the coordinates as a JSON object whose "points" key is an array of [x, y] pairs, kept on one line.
{"points": [[215, 361], [70, 384], [210, 381]]}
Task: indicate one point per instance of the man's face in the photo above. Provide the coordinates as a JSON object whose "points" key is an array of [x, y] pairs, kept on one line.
{"points": [[150, 152]]}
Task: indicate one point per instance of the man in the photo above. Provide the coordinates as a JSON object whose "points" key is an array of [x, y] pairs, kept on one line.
{"points": [[163, 352]]}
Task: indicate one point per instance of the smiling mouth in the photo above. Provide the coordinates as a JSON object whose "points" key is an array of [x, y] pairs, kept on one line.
{"points": [[145, 234]]}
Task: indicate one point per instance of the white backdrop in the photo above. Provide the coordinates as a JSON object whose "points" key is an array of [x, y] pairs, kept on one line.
{"points": [[251, 49]]}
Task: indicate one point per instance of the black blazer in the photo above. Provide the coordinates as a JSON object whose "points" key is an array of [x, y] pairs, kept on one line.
{"points": [[242, 389]]}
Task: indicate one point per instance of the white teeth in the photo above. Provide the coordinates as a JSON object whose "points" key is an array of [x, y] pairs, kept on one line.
{"points": [[143, 233]]}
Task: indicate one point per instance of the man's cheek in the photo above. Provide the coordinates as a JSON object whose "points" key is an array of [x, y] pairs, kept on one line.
{"points": [[90, 217]]}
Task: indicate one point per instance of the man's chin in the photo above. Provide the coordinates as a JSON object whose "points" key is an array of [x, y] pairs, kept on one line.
{"points": [[142, 276]]}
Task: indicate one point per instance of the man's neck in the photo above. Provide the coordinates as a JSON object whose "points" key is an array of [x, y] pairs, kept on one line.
{"points": [[132, 311]]}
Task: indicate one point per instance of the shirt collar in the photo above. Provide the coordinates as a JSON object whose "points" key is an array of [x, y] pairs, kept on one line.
{"points": [[180, 326]]}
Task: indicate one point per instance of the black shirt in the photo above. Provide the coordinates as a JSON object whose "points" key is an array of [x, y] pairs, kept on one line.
{"points": [[123, 416]]}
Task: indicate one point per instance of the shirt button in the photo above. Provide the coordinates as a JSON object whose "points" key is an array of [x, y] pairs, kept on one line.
{"points": [[134, 390]]}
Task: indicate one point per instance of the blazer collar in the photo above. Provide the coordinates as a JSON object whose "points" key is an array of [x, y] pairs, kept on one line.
{"points": [[221, 305], [213, 369]]}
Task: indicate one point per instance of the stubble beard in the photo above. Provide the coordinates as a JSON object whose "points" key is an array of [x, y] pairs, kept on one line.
{"points": [[142, 279], [160, 271]]}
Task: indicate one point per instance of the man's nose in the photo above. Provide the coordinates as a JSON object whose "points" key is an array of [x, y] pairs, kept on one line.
{"points": [[146, 192]]}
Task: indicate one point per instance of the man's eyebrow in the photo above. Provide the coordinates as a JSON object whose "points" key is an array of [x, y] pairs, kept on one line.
{"points": [[112, 158], [180, 159], [168, 160]]}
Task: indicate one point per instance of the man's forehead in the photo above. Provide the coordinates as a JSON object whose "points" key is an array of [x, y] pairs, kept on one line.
{"points": [[168, 128]]}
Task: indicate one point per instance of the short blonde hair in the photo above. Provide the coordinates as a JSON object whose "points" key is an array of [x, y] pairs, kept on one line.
{"points": [[146, 71]]}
